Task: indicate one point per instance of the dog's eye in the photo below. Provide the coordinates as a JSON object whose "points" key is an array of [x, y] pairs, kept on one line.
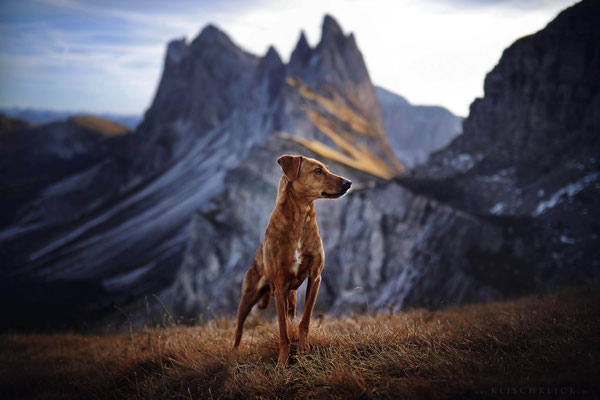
{"points": [[318, 171]]}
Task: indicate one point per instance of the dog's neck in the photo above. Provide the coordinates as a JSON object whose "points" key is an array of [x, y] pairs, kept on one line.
{"points": [[288, 198]]}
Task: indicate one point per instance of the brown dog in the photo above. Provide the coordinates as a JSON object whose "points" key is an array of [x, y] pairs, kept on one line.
{"points": [[292, 249]]}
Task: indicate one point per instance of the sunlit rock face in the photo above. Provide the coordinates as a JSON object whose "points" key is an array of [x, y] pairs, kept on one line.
{"points": [[169, 217]]}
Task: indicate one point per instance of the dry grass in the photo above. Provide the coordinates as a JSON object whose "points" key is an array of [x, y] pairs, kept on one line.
{"points": [[478, 351]]}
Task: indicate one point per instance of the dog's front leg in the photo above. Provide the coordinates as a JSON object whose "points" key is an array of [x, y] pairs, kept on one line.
{"points": [[312, 289], [281, 297]]}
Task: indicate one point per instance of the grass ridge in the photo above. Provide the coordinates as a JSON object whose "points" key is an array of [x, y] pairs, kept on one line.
{"points": [[474, 351]]}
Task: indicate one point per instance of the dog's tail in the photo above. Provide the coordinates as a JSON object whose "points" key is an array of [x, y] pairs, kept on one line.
{"points": [[266, 299]]}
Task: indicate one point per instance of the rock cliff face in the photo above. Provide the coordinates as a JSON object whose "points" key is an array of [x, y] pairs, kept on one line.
{"points": [[178, 207], [535, 130], [529, 148]]}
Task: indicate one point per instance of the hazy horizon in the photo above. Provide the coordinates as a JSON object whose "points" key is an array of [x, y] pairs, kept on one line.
{"points": [[71, 55]]}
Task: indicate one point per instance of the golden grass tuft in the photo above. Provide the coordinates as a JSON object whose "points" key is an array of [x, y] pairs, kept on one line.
{"points": [[475, 351]]}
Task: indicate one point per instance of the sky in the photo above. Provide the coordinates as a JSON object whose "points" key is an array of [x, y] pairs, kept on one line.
{"points": [[106, 56]]}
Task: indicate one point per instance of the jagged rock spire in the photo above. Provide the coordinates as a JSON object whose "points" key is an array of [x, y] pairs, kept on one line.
{"points": [[271, 69], [331, 30], [300, 55], [272, 56], [211, 33]]}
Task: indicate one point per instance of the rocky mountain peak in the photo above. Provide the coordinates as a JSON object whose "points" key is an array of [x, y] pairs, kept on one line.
{"points": [[334, 79], [176, 50], [210, 34], [271, 58], [335, 64], [336, 54], [336, 44], [207, 78], [271, 67], [272, 71], [331, 31], [300, 56]]}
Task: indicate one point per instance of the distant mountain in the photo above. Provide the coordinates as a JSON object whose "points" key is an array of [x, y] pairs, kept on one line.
{"points": [[176, 210], [415, 132], [37, 116], [48, 158]]}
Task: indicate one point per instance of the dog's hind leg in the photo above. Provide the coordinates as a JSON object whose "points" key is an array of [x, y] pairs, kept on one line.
{"points": [[266, 299], [292, 304], [251, 293]]}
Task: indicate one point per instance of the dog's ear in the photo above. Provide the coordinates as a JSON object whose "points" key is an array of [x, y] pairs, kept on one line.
{"points": [[290, 166]]}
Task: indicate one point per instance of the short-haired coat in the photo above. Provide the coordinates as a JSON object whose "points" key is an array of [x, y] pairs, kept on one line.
{"points": [[292, 250]]}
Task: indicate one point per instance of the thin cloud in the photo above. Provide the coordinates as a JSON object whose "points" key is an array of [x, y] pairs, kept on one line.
{"points": [[184, 21], [431, 51], [517, 5]]}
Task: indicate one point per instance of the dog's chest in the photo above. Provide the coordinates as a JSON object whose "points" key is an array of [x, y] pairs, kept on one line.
{"points": [[297, 258]]}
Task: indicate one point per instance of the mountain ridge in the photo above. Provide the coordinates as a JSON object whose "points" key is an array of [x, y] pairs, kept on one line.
{"points": [[178, 209]]}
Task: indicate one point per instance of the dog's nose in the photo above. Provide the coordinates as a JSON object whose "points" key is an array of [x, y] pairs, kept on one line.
{"points": [[346, 184]]}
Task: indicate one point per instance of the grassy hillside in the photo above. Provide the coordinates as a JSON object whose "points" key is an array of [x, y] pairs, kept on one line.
{"points": [[100, 125], [535, 347]]}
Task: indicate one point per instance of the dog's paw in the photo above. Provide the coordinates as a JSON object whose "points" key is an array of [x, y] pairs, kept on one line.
{"points": [[303, 347], [282, 362]]}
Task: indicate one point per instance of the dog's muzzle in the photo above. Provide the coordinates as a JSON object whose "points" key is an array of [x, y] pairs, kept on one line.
{"points": [[344, 187]]}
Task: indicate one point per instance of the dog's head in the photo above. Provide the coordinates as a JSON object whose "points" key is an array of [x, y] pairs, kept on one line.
{"points": [[312, 179]]}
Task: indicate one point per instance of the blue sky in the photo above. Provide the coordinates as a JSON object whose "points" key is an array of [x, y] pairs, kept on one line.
{"points": [[106, 56]]}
